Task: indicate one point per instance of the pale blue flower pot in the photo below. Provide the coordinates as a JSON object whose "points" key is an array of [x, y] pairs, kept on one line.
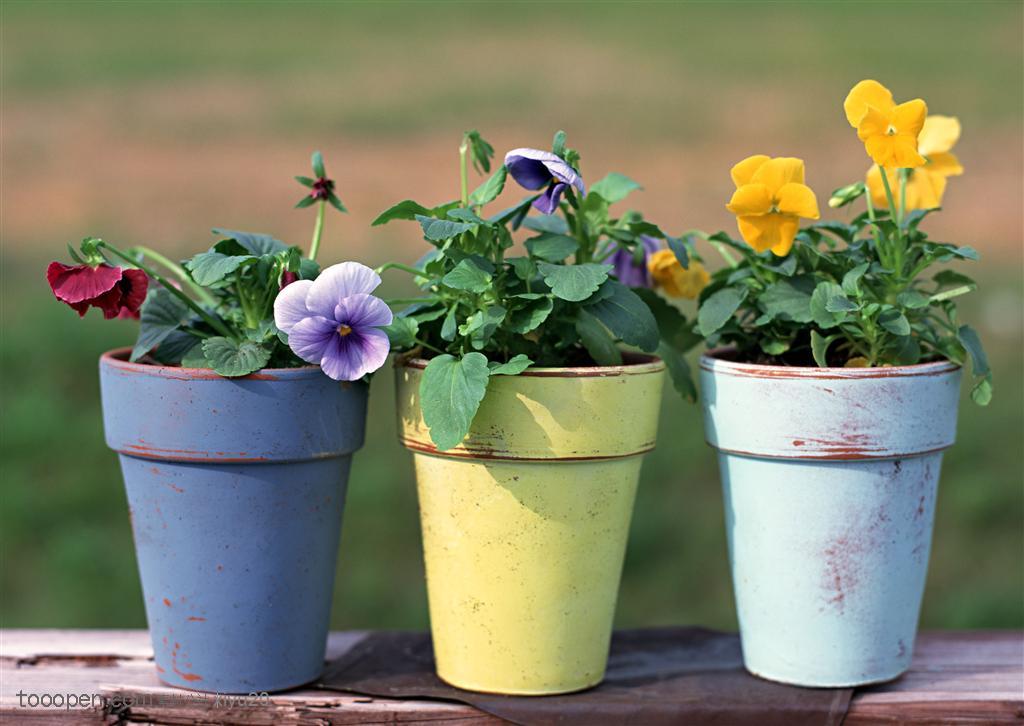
{"points": [[829, 477], [236, 490]]}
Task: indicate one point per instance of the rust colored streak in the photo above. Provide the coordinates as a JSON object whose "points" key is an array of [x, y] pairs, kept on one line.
{"points": [[152, 452], [159, 669], [840, 572], [190, 677], [493, 455], [196, 619], [167, 602], [835, 454]]}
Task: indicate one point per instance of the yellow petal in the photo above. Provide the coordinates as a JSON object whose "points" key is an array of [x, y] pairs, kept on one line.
{"points": [[857, 362], [775, 173], [864, 94], [691, 281], [742, 172], [769, 231], [944, 163], [908, 118], [750, 199], [938, 134], [798, 200], [873, 123], [925, 190], [904, 152]]}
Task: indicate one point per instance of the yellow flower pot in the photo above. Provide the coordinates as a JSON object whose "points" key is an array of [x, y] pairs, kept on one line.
{"points": [[525, 522]]}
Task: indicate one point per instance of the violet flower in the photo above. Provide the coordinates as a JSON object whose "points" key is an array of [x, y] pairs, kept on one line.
{"points": [[535, 169], [624, 262], [333, 321]]}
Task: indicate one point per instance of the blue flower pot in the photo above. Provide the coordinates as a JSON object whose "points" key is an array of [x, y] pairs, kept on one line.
{"points": [[236, 490]]}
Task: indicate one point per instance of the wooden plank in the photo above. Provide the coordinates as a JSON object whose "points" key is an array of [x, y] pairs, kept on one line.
{"points": [[957, 677]]}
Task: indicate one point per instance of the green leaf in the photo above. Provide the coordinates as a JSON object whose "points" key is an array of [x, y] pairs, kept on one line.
{"points": [[673, 326], [627, 316], [819, 347], [551, 247], [480, 326], [450, 394], [981, 394], [305, 181], [553, 223], [718, 308], [402, 332], [439, 230], [574, 282], [894, 321], [208, 268], [822, 316], [318, 164], [195, 357], [467, 276], [406, 209], [490, 189], [515, 366], [912, 299], [840, 304], [678, 248], [450, 326], [851, 280], [480, 151], [951, 277], [161, 315], [947, 294], [461, 214], [774, 346], [515, 214], [615, 187], [558, 143], [255, 244], [531, 316], [524, 267], [174, 347], [597, 340], [678, 371], [788, 299], [231, 359]]}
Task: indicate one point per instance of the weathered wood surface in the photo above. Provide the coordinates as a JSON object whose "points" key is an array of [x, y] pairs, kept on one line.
{"points": [[957, 677]]}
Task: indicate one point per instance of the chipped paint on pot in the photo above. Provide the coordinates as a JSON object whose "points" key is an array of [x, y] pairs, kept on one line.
{"points": [[829, 477], [236, 490], [525, 522]]}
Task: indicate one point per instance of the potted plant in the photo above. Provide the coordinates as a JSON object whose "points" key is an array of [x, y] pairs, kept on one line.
{"points": [[830, 394], [235, 450], [526, 420]]}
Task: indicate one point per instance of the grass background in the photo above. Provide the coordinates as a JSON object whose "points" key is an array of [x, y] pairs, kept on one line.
{"points": [[152, 122]]}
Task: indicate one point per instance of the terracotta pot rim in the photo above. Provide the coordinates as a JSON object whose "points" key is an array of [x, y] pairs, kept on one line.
{"points": [[118, 358], [633, 364], [714, 361]]}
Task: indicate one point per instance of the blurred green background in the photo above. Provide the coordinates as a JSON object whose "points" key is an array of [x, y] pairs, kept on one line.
{"points": [[152, 122]]}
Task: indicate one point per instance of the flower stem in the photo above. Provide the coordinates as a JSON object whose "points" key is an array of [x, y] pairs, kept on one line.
{"points": [[179, 272], [318, 230], [212, 321], [463, 171], [903, 196], [428, 346], [400, 266]]}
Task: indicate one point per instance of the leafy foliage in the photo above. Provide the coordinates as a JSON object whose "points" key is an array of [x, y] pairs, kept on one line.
{"points": [[847, 294], [489, 305]]}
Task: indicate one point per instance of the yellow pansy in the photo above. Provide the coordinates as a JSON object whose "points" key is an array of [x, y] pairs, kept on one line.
{"points": [[770, 198], [673, 278], [927, 183], [889, 131]]}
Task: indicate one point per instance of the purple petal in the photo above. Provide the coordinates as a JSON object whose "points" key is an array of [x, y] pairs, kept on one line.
{"points": [[337, 282], [547, 203], [363, 311], [290, 305], [351, 357], [525, 167], [625, 268], [311, 337]]}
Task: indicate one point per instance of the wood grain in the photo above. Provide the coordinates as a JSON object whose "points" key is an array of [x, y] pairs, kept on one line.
{"points": [[969, 677]]}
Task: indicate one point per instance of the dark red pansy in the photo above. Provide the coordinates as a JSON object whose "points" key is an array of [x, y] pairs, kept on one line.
{"points": [[287, 278], [117, 292]]}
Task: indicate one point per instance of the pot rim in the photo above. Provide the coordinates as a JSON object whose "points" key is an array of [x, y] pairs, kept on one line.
{"points": [[641, 363], [118, 358], [713, 361]]}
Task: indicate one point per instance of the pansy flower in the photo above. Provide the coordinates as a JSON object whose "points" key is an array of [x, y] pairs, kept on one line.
{"points": [[334, 321], [627, 269], [677, 281], [889, 131], [769, 200], [535, 169], [926, 184], [119, 293]]}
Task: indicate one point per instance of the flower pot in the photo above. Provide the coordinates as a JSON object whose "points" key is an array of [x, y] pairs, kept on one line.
{"points": [[829, 477], [235, 489], [525, 522]]}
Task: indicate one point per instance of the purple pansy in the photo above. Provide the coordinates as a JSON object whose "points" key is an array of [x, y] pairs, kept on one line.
{"points": [[335, 322], [625, 268], [535, 169]]}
